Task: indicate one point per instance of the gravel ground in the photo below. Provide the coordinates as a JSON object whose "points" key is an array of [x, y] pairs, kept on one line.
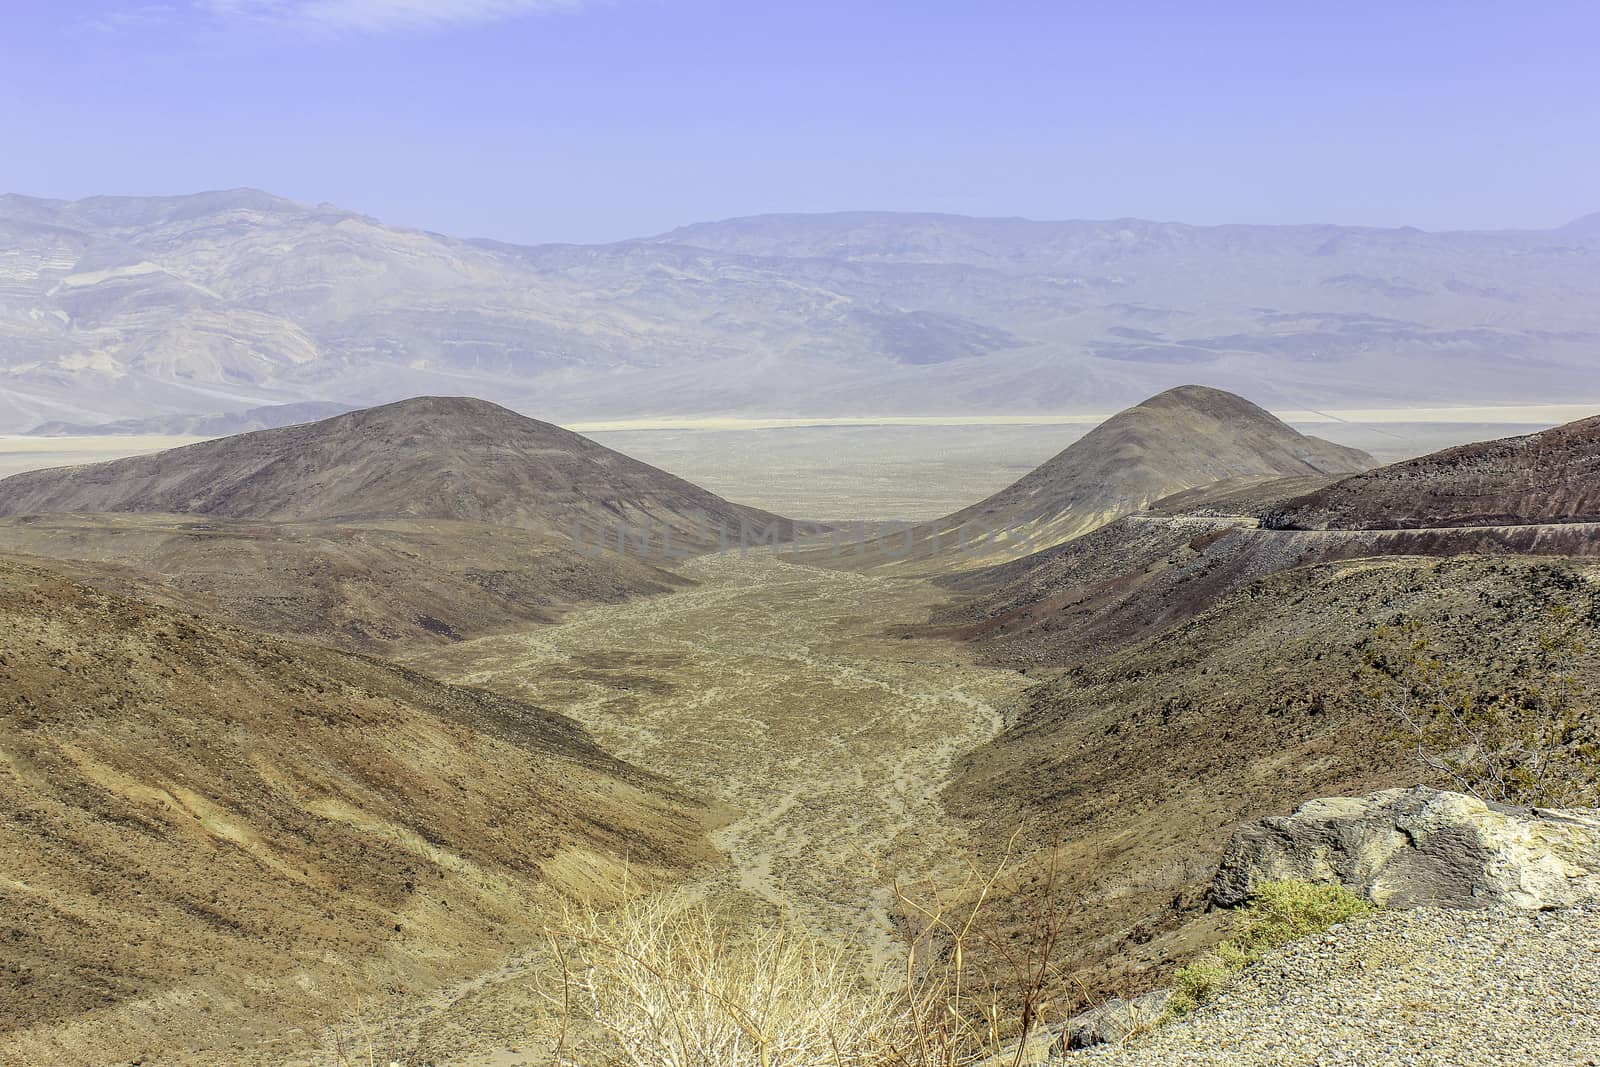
{"points": [[1404, 988]]}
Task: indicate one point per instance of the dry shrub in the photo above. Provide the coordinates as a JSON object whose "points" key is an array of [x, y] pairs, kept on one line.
{"points": [[663, 981], [963, 1011], [1507, 725]]}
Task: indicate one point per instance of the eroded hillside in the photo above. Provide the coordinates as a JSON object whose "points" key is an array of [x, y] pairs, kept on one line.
{"points": [[370, 587], [1131, 769], [218, 843], [1179, 440], [1547, 477], [424, 521]]}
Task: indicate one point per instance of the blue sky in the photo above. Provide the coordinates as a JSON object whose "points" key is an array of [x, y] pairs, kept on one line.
{"points": [[536, 120]]}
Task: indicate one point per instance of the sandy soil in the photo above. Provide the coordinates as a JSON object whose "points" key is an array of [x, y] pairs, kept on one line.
{"points": [[774, 689]]}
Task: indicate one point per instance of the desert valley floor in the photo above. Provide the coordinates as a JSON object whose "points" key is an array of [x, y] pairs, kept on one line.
{"points": [[824, 808]]}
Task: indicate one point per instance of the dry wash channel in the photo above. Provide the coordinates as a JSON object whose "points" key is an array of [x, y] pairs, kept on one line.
{"points": [[775, 689]]}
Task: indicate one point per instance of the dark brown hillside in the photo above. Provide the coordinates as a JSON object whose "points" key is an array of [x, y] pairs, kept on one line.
{"points": [[1181, 439], [1548, 477], [1146, 573], [217, 843], [1136, 766], [451, 458]]}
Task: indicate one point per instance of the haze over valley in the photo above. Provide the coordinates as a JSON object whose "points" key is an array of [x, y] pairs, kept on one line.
{"points": [[785, 710], [601, 533]]}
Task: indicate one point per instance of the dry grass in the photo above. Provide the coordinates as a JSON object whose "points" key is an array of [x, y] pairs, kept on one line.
{"points": [[663, 982], [668, 981]]}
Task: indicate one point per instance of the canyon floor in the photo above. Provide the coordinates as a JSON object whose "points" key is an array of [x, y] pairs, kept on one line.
{"points": [[780, 692]]}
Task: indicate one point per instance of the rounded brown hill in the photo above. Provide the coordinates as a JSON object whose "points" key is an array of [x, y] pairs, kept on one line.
{"points": [[1177, 440], [1548, 477], [454, 458]]}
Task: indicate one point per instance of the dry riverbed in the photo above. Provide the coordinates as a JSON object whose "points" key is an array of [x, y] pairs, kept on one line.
{"points": [[776, 691]]}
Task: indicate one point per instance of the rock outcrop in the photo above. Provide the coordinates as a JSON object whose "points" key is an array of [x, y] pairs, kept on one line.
{"points": [[1420, 847], [1114, 1021]]}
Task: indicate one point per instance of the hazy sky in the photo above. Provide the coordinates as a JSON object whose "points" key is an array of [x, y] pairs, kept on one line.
{"points": [[536, 120]]}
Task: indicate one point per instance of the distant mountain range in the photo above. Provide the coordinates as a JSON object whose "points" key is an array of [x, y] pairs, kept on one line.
{"points": [[116, 307], [220, 424]]}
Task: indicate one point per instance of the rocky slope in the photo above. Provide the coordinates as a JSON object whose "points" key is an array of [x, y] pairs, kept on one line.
{"points": [[1146, 573], [1132, 769], [114, 307], [425, 521], [373, 587], [1548, 477], [1429, 857], [446, 458], [218, 844], [1533, 495], [1181, 439], [1403, 989]]}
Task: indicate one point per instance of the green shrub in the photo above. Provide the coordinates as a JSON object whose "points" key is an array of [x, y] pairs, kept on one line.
{"points": [[1278, 913], [1197, 983], [1281, 912]]}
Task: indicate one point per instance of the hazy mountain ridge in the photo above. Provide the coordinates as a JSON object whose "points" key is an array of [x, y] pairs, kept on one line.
{"points": [[270, 417], [116, 306]]}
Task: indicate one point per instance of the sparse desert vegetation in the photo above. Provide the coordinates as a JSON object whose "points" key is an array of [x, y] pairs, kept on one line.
{"points": [[1524, 735], [1278, 913]]}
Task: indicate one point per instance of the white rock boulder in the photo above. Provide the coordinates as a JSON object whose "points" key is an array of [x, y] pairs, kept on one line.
{"points": [[1421, 847]]}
